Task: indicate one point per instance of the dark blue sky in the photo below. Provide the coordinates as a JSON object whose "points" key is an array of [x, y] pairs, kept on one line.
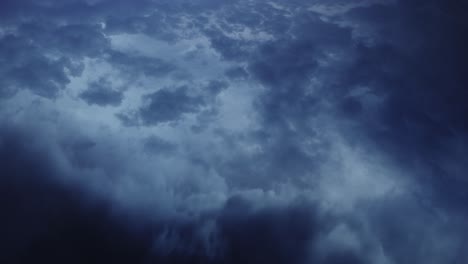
{"points": [[244, 131]]}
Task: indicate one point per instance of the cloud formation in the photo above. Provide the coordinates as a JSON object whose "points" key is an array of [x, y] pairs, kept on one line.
{"points": [[233, 131]]}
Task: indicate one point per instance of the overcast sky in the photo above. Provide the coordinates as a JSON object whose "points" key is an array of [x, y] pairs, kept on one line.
{"points": [[234, 131]]}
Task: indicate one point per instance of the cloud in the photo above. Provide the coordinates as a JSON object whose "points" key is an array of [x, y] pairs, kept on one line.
{"points": [[236, 73], [70, 225], [24, 66], [166, 105], [101, 93], [420, 75], [172, 104], [134, 64], [44, 220], [248, 131]]}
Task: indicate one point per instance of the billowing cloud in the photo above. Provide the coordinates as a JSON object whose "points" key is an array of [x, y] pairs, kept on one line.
{"points": [[233, 131]]}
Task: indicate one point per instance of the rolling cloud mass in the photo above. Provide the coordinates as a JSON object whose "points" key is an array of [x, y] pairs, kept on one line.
{"points": [[241, 131]]}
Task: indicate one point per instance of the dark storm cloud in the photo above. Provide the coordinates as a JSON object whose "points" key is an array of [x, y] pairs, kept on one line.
{"points": [[238, 232], [47, 41], [392, 225], [285, 66], [388, 77], [243, 232], [101, 93], [420, 68], [44, 43], [70, 227], [267, 235], [40, 55], [45, 221], [415, 62]]}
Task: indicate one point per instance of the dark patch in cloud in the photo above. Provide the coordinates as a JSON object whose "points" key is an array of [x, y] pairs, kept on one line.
{"points": [[79, 40], [351, 106], [267, 235], [230, 48], [136, 64], [171, 104], [344, 257], [159, 146], [165, 105], [238, 232], [214, 87], [102, 93], [236, 73], [279, 63], [158, 24], [72, 40], [168, 105]]}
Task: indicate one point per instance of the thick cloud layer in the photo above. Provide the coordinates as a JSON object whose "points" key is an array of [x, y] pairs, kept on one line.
{"points": [[242, 131]]}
